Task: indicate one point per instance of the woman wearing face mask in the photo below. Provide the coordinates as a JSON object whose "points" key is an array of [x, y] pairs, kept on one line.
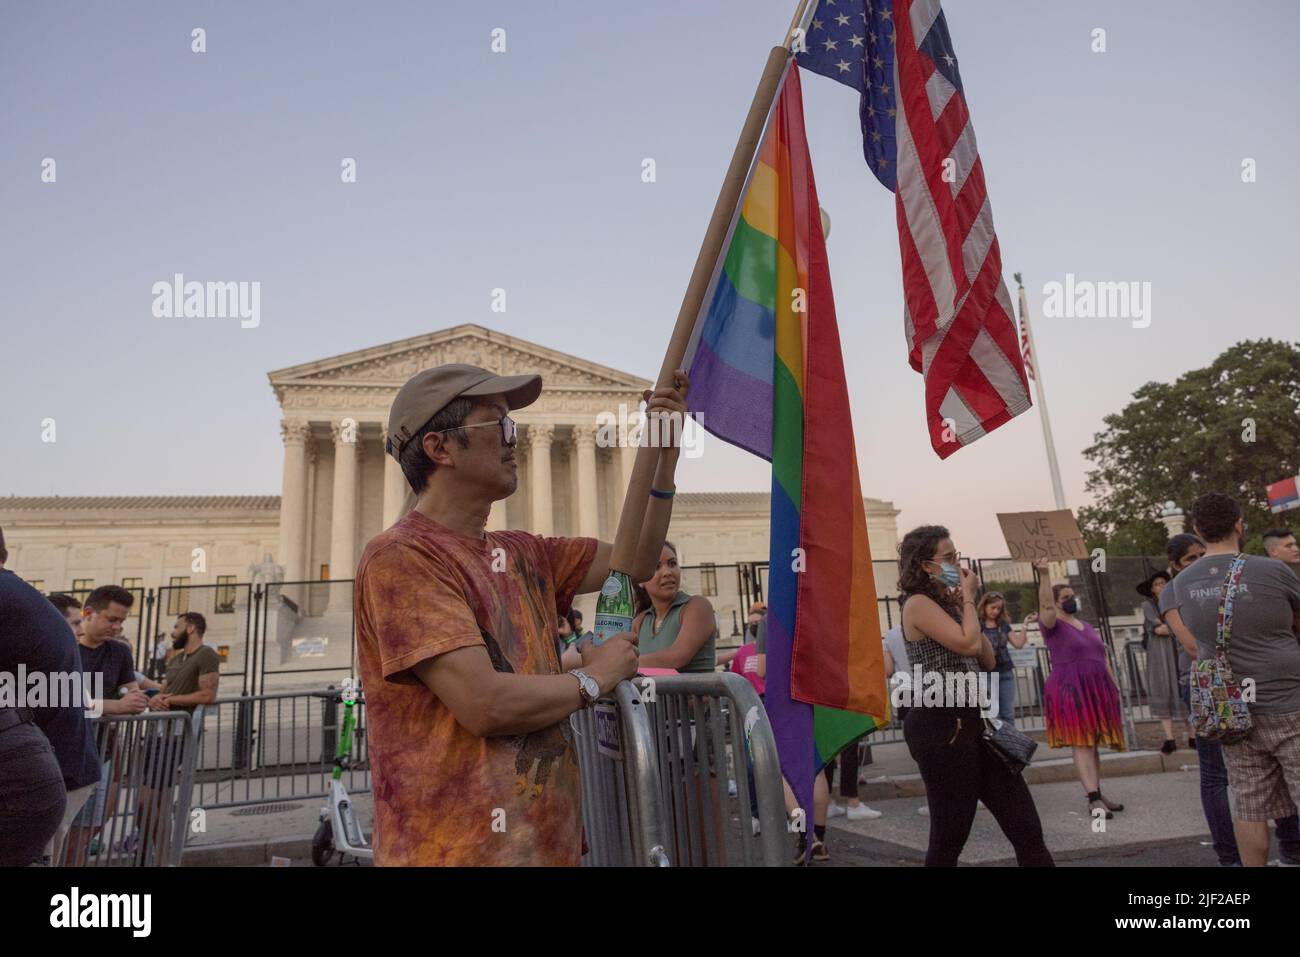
{"points": [[941, 626], [674, 629], [1080, 697]]}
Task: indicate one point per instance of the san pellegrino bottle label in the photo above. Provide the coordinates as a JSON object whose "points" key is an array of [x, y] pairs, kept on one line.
{"points": [[614, 607]]}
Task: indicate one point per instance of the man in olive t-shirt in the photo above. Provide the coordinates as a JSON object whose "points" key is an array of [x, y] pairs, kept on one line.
{"points": [[191, 680], [194, 671]]}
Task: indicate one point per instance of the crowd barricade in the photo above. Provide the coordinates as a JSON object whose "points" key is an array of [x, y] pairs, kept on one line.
{"points": [[669, 766], [139, 816], [622, 813]]}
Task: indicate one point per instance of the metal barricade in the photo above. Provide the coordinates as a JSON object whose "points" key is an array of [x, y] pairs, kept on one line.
{"points": [[712, 734], [622, 814], [139, 814], [659, 763]]}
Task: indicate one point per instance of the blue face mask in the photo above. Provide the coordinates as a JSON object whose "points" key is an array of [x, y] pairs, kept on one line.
{"points": [[950, 576]]}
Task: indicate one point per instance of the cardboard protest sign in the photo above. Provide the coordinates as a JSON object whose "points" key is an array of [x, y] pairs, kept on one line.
{"points": [[1048, 536]]}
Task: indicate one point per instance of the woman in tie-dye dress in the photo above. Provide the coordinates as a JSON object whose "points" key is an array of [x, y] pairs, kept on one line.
{"points": [[1080, 697]]}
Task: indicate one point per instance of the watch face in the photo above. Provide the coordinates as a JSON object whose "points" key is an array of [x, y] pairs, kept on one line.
{"points": [[589, 685]]}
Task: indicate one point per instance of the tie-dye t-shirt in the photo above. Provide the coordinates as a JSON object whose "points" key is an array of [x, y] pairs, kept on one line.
{"points": [[442, 795]]}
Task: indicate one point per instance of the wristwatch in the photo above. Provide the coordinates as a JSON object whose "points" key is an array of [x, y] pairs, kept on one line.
{"points": [[590, 690]]}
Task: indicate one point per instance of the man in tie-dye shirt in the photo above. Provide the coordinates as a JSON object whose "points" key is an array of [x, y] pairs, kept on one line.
{"points": [[467, 705]]}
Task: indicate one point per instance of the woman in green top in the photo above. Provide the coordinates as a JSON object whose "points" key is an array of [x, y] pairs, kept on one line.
{"points": [[674, 629]]}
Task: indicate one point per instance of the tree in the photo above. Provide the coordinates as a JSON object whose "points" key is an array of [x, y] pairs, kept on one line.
{"points": [[1233, 427]]}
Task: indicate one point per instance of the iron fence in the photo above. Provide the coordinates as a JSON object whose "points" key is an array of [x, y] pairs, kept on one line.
{"points": [[257, 749]]}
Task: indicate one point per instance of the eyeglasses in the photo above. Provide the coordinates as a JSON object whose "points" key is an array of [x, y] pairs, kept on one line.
{"points": [[951, 557], [509, 433]]}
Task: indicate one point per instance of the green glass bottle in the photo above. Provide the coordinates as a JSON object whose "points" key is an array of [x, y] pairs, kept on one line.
{"points": [[614, 608]]}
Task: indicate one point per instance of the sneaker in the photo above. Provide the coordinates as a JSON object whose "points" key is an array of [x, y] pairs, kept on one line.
{"points": [[838, 810], [862, 813], [757, 825], [731, 788], [923, 810], [1169, 747], [819, 852]]}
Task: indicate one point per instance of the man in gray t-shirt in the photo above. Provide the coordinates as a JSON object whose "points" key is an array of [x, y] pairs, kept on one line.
{"points": [[1263, 645], [1264, 766]]}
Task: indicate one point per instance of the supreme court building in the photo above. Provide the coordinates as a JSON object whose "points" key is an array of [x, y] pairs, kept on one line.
{"points": [[339, 488]]}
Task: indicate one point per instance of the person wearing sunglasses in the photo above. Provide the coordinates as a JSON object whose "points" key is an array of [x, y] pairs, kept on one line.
{"points": [[467, 700]]}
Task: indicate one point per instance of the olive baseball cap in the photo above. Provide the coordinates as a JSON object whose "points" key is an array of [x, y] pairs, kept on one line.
{"points": [[429, 392]]}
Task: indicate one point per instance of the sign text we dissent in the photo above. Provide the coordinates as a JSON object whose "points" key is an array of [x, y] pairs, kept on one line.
{"points": [[1048, 536]]}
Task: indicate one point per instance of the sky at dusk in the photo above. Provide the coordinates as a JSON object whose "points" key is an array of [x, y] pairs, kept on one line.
{"points": [[522, 171]]}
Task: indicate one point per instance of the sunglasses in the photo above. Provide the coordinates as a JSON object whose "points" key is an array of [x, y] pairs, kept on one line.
{"points": [[509, 431]]}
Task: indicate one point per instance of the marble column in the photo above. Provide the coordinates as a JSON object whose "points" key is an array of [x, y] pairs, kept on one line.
{"points": [[395, 486], [540, 437], [295, 434], [588, 521], [343, 516]]}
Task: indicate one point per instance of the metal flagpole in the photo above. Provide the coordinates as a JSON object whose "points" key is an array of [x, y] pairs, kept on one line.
{"points": [[1037, 375]]}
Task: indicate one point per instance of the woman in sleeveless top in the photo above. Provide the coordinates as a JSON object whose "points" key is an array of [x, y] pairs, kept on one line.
{"points": [[674, 629], [942, 629]]}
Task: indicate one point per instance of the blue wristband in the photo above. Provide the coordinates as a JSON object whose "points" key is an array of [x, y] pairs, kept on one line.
{"points": [[658, 494]]}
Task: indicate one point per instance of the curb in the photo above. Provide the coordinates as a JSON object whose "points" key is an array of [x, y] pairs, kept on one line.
{"points": [[246, 853], [1050, 771]]}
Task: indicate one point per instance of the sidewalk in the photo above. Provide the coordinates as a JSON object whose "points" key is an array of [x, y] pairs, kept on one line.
{"points": [[1158, 807], [236, 838], [1165, 804], [893, 773]]}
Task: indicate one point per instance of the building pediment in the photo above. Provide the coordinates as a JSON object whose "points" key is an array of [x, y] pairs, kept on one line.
{"points": [[389, 366]]}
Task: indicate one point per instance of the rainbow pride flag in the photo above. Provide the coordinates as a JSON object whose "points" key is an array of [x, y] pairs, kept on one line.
{"points": [[767, 375]]}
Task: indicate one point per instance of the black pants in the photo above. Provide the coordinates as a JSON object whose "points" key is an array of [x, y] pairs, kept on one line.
{"points": [[32, 795], [958, 771], [849, 762]]}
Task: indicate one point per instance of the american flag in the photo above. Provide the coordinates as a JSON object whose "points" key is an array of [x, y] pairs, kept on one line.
{"points": [[1026, 350], [918, 140]]}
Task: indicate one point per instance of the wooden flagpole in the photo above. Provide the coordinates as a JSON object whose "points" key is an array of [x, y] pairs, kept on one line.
{"points": [[643, 468]]}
